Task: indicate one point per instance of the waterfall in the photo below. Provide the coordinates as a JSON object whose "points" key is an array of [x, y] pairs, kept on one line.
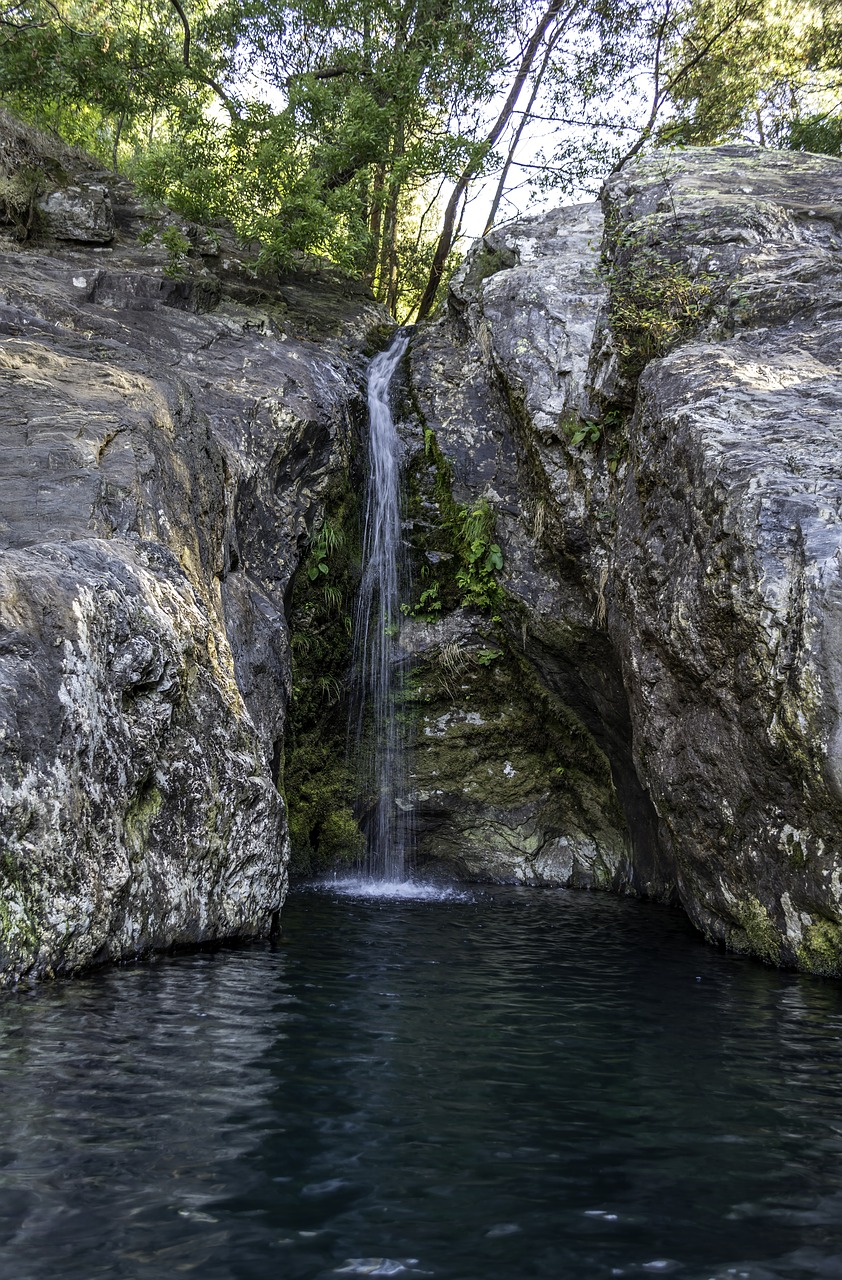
{"points": [[377, 730]]}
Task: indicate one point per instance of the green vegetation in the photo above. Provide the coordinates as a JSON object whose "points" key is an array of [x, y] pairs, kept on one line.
{"points": [[318, 781], [772, 76], [479, 557], [654, 304], [756, 933], [178, 247], [821, 948], [584, 430], [460, 559], [356, 131]]}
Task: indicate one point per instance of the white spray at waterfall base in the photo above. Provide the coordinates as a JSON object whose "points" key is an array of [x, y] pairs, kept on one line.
{"points": [[378, 733]]}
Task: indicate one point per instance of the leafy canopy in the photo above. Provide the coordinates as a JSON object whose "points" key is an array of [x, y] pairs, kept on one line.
{"points": [[357, 130]]}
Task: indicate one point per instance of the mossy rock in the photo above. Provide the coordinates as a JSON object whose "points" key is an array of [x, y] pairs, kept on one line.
{"points": [[820, 951]]}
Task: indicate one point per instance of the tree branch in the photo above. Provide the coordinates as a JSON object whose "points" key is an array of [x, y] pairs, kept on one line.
{"points": [[176, 4], [446, 237]]}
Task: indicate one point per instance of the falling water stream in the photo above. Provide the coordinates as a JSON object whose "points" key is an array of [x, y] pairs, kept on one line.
{"points": [[377, 733], [496, 1084]]}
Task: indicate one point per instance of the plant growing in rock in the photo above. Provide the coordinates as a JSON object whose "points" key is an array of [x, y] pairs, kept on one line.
{"points": [[428, 605], [654, 304], [480, 557], [461, 542], [585, 431], [329, 539], [178, 247]]}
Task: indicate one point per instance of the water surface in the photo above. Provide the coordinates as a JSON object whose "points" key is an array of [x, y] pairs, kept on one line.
{"points": [[513, 1084]]}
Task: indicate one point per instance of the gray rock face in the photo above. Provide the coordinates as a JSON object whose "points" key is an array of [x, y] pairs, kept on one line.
{"points": [[726, 588], [163, 465], [686, 523], [79, 213], [512, 775]]}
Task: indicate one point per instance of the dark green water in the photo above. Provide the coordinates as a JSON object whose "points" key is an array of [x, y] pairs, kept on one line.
{"points": [[519, 1085]]}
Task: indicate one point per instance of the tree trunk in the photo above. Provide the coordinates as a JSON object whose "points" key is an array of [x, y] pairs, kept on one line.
{"points": [[374, 223], [501, 185], [116, 146], [388, 273], [445, 241]]}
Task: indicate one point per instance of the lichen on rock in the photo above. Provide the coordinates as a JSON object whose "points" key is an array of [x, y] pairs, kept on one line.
{"points": [[664, 462], [169, 449]]}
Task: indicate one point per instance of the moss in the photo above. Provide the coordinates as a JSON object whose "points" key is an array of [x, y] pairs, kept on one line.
{"points": [[756, 933], [320, 788], [654, 304], [501, 762], [377, 338], [318, 782], [821, 949], [487, 263], [493, 738], [459, 559], [141, 813]]}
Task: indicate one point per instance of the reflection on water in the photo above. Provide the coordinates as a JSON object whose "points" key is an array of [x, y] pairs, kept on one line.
{"points": [[514, 1084]]}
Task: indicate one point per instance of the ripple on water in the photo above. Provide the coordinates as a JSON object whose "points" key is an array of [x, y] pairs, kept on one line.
{"points": [[503, 1085], [394, 890], [378, 1267]]}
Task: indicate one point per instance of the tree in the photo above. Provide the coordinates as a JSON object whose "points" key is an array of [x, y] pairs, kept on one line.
{"points": [[774, 80], [384, 98], [76, 66], [556, 13], [355, 130]]}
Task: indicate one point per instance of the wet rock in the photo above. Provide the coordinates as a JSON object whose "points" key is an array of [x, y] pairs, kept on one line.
{"points": [[678, 493], [166, 451]]}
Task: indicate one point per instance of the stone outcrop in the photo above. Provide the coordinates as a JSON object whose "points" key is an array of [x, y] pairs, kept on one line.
{"points": [[510, 770], [726, 598], [666, 477], [623, 459], [170, 427]]}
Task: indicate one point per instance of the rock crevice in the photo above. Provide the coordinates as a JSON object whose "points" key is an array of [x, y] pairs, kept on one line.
{"points": [[674, 477], [168, 445]]}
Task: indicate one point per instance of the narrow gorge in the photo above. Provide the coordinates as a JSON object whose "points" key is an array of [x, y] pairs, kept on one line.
{"points": [[620, 633]]}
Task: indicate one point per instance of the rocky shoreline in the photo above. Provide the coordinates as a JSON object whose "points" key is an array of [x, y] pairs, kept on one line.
{"points": [[635, 402]]}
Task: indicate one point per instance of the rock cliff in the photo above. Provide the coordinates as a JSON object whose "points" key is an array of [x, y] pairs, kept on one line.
{"points": [[170, 429], [647, 395], [622, 446]]}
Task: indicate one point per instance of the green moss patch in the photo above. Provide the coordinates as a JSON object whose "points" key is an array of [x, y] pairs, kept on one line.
{"points": [[317, 781], [756, 933], [821, 949]]}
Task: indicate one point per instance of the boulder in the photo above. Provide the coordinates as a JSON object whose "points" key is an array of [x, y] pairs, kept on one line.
{"points": [[167, 448], [671, 516], [81, 213]]}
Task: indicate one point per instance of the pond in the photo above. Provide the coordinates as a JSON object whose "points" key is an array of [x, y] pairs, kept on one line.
{"points": [[490, 1085]]}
